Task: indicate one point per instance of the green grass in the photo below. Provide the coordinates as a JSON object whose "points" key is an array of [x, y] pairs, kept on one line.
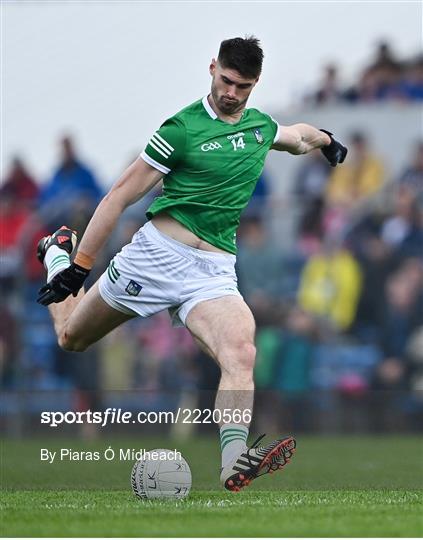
{"points": [[255, 513], [337, 487]]}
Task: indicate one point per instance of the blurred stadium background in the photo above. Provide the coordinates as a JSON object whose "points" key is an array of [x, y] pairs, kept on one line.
{"points": [[330, 261]]}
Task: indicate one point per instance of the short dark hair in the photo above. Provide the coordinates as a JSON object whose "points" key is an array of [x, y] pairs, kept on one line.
{"points": [[244, 55]]}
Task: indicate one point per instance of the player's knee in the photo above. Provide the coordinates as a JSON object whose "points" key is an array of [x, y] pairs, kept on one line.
{"points": [[247, 356], [71, 342], [239, 359]]}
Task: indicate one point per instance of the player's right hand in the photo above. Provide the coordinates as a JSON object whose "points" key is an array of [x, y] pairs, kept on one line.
{"points": [[65, 283]]}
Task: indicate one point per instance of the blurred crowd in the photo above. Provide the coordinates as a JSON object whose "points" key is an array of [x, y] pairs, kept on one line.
{"points": [[386, 77], [339, 316]]}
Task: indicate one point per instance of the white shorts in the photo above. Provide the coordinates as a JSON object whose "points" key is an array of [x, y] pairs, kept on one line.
{"points": [[155, 272]]}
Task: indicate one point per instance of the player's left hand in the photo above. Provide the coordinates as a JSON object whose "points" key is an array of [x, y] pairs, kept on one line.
{"points": [[65, 283], [334, 152]]}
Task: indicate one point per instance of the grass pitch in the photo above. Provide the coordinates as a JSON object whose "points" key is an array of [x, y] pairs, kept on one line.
{"points": [[335, 487], [250, 513]]}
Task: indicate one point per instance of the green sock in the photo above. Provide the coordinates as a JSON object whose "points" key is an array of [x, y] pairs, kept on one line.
{"points": [[233, 439]]}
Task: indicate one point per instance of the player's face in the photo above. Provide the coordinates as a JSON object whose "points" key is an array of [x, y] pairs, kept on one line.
{"points": [[230, 90]]}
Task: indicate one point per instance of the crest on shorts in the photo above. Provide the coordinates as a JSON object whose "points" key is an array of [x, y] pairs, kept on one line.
{"points": [[133, 288], [258, 135]]}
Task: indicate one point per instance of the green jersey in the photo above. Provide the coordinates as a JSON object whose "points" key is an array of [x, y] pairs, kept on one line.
{"points": [[211, 168]]}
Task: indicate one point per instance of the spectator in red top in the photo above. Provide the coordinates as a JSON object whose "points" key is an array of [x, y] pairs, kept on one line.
{"points": [[13, 217], [19, 184], [20, 229]]}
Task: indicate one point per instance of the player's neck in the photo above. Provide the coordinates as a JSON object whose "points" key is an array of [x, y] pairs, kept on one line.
{"points": [[229, 118]]}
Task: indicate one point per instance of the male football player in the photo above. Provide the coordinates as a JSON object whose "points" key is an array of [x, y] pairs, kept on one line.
{"points": [[210, 156]]}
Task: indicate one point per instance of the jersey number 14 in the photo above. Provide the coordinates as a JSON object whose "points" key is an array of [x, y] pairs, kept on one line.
{"points": [[239, 143]]}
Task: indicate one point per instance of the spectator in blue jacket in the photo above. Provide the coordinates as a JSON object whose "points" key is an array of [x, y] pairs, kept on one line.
{"points": [[72, 191]]}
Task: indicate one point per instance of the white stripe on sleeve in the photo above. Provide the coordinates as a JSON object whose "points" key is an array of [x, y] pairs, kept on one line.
{"points": [[158, 149], [164, 142], [154, 163], [278, 129], [156, 141]]}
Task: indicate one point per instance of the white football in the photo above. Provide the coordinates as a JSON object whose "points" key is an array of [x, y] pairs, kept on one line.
{"points": [[168, 476]]}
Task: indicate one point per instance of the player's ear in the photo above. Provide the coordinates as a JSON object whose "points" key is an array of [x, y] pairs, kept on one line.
{"points": [[212, 66]]}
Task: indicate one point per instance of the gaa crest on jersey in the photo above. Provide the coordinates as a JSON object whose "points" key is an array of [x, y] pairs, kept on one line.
{"points": [[258, 135], [133, 288], [206, 147]]}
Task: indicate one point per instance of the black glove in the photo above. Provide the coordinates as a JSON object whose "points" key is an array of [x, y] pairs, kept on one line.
{"points": [[335, 152], [65, 283]]}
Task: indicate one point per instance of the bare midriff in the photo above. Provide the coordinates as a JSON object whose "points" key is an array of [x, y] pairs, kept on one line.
{"points": [[173, 228]]}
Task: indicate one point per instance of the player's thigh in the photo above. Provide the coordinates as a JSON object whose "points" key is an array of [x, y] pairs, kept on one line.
{"points": [[93, 318], [221, 324]]}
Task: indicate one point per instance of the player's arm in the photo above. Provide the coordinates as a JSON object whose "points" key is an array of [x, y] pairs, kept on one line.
{"points": [[134, 183], [162, 153], [303, 138], [137, 180]]}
